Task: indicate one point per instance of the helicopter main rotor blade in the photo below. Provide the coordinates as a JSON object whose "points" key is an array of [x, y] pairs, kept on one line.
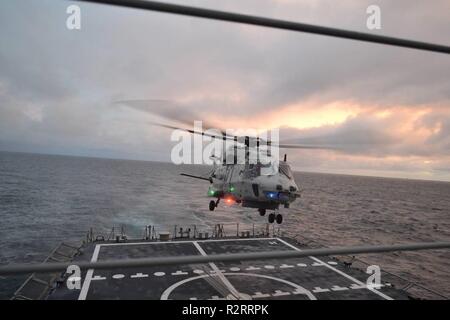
{"points": [[202, 133], [174, 111], [274, 23], [178, 112], [219, 136], [168, 109], [305, 146]]}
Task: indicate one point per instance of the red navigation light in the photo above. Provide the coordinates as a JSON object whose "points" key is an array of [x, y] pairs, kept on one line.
{"points": [[229, 200]]}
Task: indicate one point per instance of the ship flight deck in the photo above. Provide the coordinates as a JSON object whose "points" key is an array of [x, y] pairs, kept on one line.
{"points": [[308, 278]]}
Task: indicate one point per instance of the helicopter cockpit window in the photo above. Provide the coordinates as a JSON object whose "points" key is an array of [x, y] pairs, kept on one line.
{"points": [[259, 169], [267, 169], [286, 170]]}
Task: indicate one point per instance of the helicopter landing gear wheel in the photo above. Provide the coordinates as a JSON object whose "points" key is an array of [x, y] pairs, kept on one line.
{"points": [[212, 205], [262, 212], [271, 217], [279, 218]]}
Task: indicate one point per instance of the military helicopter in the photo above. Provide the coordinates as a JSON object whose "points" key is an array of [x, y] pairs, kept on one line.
{"points": [[258, 179], [254, 185], [247, 171]]}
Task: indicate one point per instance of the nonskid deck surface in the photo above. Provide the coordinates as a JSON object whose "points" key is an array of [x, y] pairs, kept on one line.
{"points": [[298, 278]]}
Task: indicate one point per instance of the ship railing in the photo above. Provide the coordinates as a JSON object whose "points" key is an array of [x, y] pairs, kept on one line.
{"points": [[38, 285], [240, 230], [414, 289], [224, 230], [177, 232], [115, 233]]}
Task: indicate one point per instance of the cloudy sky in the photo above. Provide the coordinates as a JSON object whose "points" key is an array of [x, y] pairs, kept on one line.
{"points": [[388, 109]]}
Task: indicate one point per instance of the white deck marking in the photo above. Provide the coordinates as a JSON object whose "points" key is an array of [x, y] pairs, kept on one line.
{"points": [[355, 286], [179, 273], [269, 267], [339, 272], [285, 266], [221, 271], [260, 295], [302, 291], [213, 266], [338, 288], [235, 269], [89, 273], [198, 271], [118, 276], [298, 289], [279, 293], [320, 290], [139, 275], [333, 263], [251, 268]]}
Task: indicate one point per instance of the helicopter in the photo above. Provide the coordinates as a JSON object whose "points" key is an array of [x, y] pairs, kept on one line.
{"points": [[249, 173], [264, 186]]}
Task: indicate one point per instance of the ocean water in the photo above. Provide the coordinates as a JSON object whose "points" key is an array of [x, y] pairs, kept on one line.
{"points": [[45, 199]]}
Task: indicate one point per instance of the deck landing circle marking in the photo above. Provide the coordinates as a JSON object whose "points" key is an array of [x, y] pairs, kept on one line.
{"points": [[242, 296], [165, 295]]}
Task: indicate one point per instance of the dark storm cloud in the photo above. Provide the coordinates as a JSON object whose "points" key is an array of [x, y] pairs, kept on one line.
{"points": [[58, 87]]}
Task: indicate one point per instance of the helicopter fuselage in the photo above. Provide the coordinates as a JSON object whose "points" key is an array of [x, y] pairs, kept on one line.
{"points": [[256, 179], [254, 185]]}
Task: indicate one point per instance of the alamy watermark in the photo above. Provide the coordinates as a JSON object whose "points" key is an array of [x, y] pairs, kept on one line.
{"points": [[374, 280], [232, 146], [373, 21], [73, 21], [74, 280], [374, 17]]}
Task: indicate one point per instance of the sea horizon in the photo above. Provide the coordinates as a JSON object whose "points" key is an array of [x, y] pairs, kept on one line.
{"points": [[168, 162]]}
